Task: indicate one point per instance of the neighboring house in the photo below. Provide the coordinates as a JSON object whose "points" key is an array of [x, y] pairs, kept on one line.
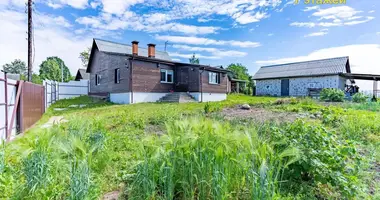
{"points": [[82, 75], [298, 79], [129, 74]]}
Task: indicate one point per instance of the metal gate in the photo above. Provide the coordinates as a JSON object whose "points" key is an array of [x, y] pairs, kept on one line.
{"points": [[32, 106]]}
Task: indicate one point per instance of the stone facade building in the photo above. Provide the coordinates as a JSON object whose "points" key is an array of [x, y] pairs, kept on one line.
{"points": [[298, 79]]}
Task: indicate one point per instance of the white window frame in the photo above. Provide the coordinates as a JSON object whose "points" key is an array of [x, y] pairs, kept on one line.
{"points": [[167, 71], [213, 78]]}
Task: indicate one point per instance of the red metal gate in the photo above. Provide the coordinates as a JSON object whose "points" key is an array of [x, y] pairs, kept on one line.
{"points": [[32, 105]]}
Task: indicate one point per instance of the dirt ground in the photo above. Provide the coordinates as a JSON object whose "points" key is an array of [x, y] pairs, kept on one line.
{"points": [[258, 114]]}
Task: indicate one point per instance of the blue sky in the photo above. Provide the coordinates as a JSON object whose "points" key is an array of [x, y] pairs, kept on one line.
{"points": [[219, 32]]}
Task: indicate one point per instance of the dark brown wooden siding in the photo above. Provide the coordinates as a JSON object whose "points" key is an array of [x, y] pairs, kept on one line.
{"points": [[187, 79], [104, 64], [147, 78], [214, 88]]}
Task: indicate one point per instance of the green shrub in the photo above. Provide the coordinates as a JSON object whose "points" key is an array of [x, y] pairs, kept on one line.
{"points": [[359, 98], [325, 158], [332, 95], [212, 107]]}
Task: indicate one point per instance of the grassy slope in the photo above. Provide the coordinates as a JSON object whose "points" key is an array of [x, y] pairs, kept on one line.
{"points": [[125, 126]]}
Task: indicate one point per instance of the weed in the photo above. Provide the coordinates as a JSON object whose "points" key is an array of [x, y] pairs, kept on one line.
{"points": [[36, 170], [360, 98], [332, 95], [79, 180], [203, 159]]}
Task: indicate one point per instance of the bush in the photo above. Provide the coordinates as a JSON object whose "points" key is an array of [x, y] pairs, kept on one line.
{"points": [[359, 98], [332, 95], [212, 107], [325, 159]]}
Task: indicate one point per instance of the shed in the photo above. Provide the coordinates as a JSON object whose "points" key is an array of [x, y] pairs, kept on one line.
{"points": [[81, 74], [297, 79]]}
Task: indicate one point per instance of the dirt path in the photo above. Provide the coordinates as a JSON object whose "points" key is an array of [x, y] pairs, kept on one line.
{"points": [[258, 114], [54, 120]]}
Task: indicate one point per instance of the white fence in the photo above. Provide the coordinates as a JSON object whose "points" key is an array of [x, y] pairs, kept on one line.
{"points": [[55, 90], [7, 105]]}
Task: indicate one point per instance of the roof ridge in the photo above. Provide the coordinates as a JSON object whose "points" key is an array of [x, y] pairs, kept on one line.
{"points": [[304, 61], [126, 44]]}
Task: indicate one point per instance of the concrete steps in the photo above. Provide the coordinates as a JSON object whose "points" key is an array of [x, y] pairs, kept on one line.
{"points": [[177, 97]]}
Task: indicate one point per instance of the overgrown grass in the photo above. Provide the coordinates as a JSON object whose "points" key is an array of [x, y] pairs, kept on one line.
{"points": [[179, 151]]}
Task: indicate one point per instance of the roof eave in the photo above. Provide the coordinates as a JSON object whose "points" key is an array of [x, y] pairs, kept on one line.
{"points": [[300, 76]]}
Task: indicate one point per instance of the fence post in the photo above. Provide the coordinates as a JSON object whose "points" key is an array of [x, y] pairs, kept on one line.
{"points": [[6, 104], [19, 89]]}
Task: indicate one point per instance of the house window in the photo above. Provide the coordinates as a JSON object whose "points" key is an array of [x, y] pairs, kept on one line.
{"points": [[166, 76], [117, 75], [97, 79], [213, 78]]}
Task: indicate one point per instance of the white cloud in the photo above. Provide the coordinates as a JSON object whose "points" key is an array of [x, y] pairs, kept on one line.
{"points": [[271, 34], [118, 7], [343, 12], [311, 8], [54, 5], [205, 41], [363, 59], [371, 11], [319, 33], [378, 33], [79, 4], [335, 16], [180, 55], [247, 18], [359, 21], [214, 51], [303, 24], [149, 24], [52, 38]]}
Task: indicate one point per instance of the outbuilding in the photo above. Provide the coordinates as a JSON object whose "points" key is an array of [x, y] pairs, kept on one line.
{"points": [[302, 78]]}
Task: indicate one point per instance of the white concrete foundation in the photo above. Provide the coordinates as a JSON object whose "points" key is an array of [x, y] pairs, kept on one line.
{"points": [[141, 97], [122, 98], [209, 96], [136, 97]]}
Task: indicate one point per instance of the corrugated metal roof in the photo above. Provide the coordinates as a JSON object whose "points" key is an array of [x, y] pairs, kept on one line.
{"points": [[307, 68], [113, 47]]}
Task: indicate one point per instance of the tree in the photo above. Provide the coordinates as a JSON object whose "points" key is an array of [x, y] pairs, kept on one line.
{"points": [[50, 69], [194, 60], [15, 67], [85, 56], [241, 72]]}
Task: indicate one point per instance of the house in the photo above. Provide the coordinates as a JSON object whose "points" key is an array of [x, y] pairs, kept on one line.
{"points": [[82, 75], [130, 74], [302, 78]]}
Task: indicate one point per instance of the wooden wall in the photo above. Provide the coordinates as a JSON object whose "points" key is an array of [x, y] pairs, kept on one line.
{"points": [[214, 88], [147, 77], [104, 64]]}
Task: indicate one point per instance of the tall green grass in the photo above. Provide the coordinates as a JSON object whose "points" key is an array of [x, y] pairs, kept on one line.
{"points": [[209, 160]]}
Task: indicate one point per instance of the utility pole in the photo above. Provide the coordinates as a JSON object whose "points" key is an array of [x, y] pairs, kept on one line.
{"points": [[30, 38]]}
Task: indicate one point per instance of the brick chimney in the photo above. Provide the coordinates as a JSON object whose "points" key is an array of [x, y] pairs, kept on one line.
{"points": [[151, 50], [135, 48]]}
